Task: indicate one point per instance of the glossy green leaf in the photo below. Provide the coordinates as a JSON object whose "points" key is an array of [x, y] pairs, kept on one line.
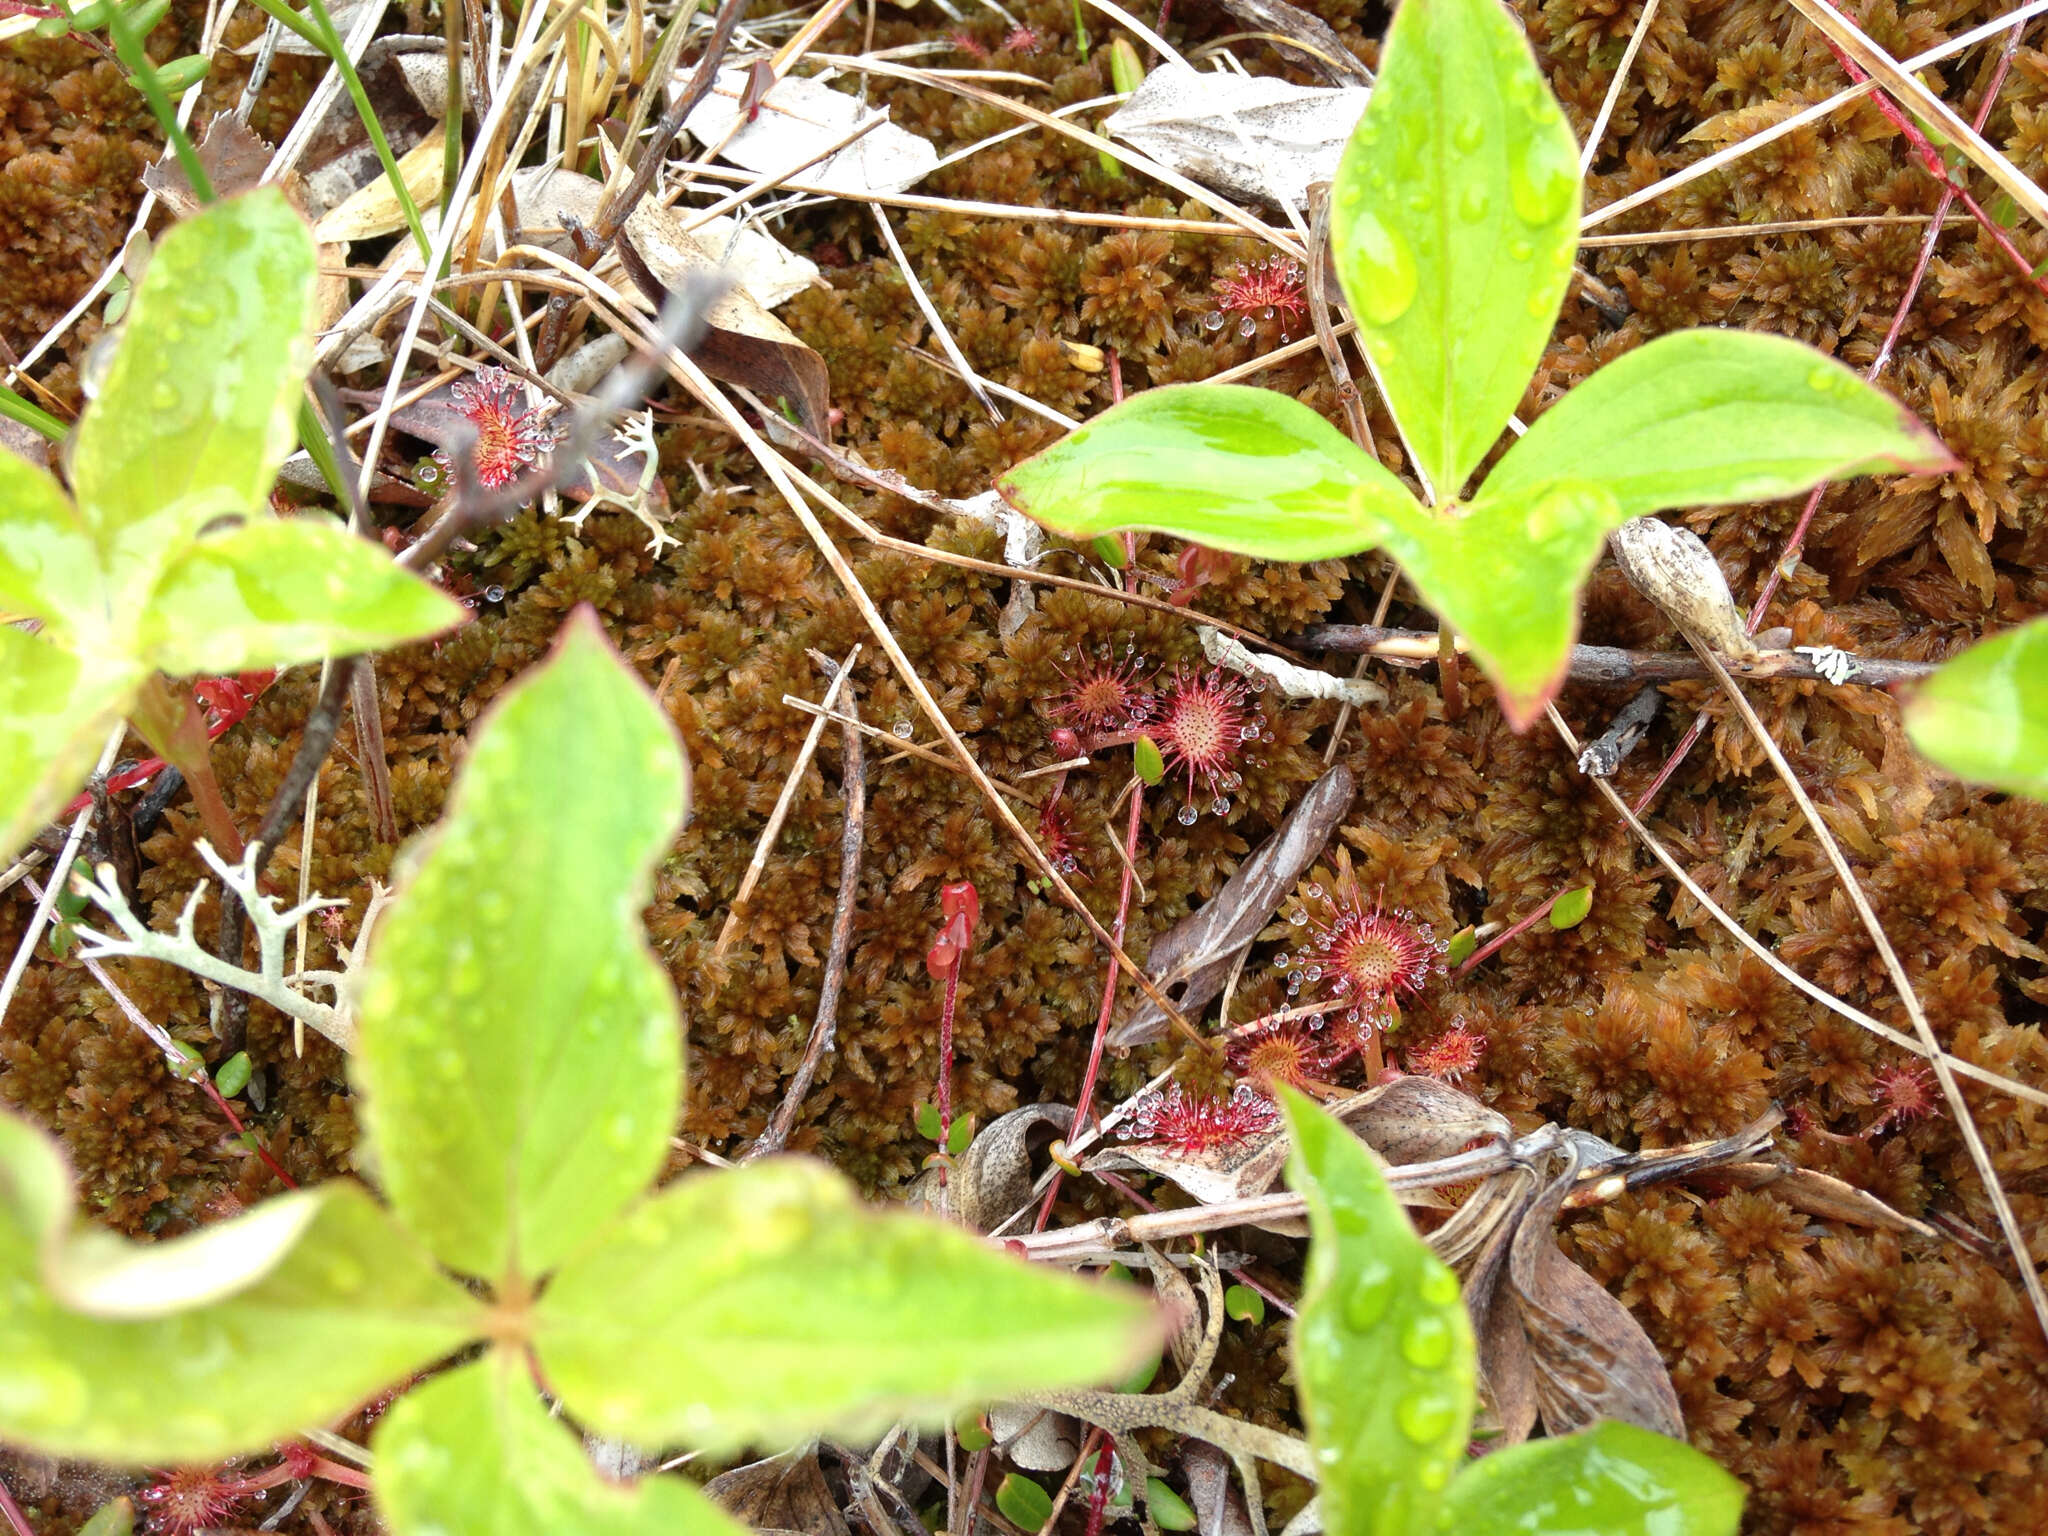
{"points": [[347, 1307], [1572, 908], [199, 404], [1023, 1501], [271, 593], [1383, 1353], [1454, 216], [1705, 417], [48, 566], [56, 709], [1244, 1304], [764, 1304], [114, 1518], [1506, 576], [519, 1046], [1169, 1511], [1147, 761], [474, 1450], [1231, 467], [1611, 1480], [1984, 716]]}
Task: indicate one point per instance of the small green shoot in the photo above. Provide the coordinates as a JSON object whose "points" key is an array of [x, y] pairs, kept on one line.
{"points": [[1454, 227], [1023, 1501], [1244, 1304], [1170, 1512], [1572, 907], [1384, 1363], [168, 558]]}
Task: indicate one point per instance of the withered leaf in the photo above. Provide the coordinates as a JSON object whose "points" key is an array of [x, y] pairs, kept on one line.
{"points": [[1419, 1119], [786, 1492], [1197, 952], [1212, 1492], [993, 1176], [1592, 1359], [1035, 1439]]}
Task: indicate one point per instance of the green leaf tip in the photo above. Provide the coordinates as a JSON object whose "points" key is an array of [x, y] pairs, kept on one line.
{"points": [[1454, 220], [766, 1303], [520, 1046], [1232, 467], [1612, 1479], [1382, 1345], [1984, 715]]}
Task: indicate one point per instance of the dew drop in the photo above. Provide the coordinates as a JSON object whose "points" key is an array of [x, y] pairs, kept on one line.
{"points": [[1468, 133], [1370, 1296], [1187, 815], [165, 396], [1426, 1342], [1247, 326], [1219, 806], [1542, 176], [1297, 917], [1266, 313], [1439, 1286], [902, 729], [1213, 321], [1386, 269], [1315, 890], [1520, 250], [1294, 981], [1821, 379], [1282, 958], [1473, 203], [1424, 1415]]}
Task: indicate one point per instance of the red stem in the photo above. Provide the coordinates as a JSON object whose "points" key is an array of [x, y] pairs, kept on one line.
{"points": [[946, 1053], [1098, 1496], [206, 1085], [1086, 1101], [13, 1512]]}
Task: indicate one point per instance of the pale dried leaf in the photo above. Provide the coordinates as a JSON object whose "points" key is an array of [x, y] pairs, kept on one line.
{"points": [[1213, 1493], [373, 210], [786, 1492], [1674, 569], [797, 118], [1249, 136], [1418, 1120], [993, 1176], [1035, 1439], [1212, 1175]]}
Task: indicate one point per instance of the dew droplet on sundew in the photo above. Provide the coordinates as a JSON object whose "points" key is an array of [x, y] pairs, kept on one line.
{"points": [[903, 729], [1187, 816], [1247, 326], [1213, 321]]}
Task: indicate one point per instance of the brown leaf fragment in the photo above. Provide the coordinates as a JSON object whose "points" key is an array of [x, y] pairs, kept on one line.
{"points": [[786, 1492], [231, 155], [1308, 39], [1197, 953], [1823, 1195], [1507, 1369], [1213, 1493], [1419, 1119], [1592, 1359], [993, 1176]]}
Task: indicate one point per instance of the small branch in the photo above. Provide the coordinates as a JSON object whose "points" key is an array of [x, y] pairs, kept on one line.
{"points": [[825, 1026], [1607, 753], [183, 950], [1610, 666]]}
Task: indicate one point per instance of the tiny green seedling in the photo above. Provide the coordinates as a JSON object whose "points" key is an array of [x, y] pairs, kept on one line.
{"points": [[519, 1069], [1384, 1363], [1455, 218], [165, 558]]}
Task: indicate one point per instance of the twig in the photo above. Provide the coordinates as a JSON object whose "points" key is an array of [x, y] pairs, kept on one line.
{"points": [[1608, 665], [968, 376], [1319, 318], [825, 1026], [765, 844], [906, 748], [1607, 753], [618, 209], [1628, 57]]}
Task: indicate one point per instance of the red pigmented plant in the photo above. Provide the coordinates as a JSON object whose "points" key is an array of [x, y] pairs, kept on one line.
{"points": [[1188, 1124], [1021, 40], [1056, 837], [1204, 724], [1280, 1051], [1907, 1094], [1367, 959], [190, 1499], [1448, 1057], [510, 437], [1102, 695], [1266, 289], [960, 905]]}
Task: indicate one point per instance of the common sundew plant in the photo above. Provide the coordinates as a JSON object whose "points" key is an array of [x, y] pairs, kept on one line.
{"points": [[1454, 222], [164, 557], [519, 1071], [1384, 1368]]}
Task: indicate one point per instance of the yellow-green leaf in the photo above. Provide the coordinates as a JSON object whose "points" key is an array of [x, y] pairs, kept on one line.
{"points": [[1984, 715], [271, 593], [56, 709]]}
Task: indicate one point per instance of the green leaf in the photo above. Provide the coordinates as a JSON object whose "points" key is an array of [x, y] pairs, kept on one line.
{"points": [[474, 1450], [1984, 716], [114, 1518], [1383, 1353], [1231, 467], [199, 404], [333, 1302], [1613, 1479], [1023, 1501], [270, 594], [1506, 576], [765, 1304], [1454, 216], [1147, 761], [56, 709], [519, 1046], [48, 566], [1705, 417], [1244, 1304], [233, 1075], [1169, 1511], [1571, 908]]}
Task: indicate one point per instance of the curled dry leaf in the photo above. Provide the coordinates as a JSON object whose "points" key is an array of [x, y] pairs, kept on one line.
{"points": [[1213, 1493], [1674, 569], [786, 1492], [1418, 1120], [1249, 136], [993, 1176], [1592, 1359], [1197, 952], [1213, 1174], [1034, 1439], [372, 210]]}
